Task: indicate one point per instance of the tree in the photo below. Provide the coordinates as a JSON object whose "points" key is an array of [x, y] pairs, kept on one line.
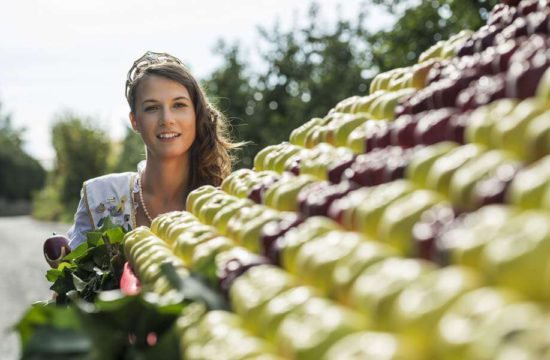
{"points": [[81, 151], [20, 174], [131, 153], [309, 69], [231, 90], [420, 26]]}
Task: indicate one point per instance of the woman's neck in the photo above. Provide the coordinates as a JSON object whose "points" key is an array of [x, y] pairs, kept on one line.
{"points": [[164, 183]]}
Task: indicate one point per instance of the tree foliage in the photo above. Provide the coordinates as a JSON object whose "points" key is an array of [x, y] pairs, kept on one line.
{"points": [[20, 174], [309, 68], [81, 152], [132, 151], [420, 26]]}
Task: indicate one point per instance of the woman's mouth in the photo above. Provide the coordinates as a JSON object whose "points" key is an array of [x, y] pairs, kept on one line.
{"points": [[168, 136]]}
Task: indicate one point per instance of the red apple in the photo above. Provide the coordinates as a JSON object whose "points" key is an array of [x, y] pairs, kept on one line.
{"points": [[55, 249]]}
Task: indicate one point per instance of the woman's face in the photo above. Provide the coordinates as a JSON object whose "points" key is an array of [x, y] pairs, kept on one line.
{"points": [[165, 117]]}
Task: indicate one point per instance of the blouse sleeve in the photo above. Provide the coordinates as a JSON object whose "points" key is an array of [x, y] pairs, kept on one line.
{"points": [[82, 222]]}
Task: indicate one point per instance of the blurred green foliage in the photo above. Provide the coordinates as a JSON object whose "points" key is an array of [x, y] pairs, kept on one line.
{"points": [[20, 174], [81, 152], [310, 68]]}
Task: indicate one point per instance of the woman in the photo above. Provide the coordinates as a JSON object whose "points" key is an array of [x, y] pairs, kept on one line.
{"points": [[187, 145]]}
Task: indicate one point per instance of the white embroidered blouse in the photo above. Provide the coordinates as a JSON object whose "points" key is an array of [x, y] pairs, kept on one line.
{"points": [[109, 195]]}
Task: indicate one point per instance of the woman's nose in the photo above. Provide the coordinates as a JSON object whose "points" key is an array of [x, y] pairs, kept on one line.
{"points": [[167, 116]]}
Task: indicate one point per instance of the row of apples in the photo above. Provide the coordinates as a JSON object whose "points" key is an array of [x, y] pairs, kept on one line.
{"points": [[411, 223]]}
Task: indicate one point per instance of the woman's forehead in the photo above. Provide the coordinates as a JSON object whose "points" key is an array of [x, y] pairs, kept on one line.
{"points": [[159, 86]]}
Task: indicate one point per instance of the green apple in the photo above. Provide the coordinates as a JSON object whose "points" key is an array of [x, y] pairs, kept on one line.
{"points": [[252, 290], [176, 228], [218, 333], [418, 169], [519, 251], [346, 126], [204, 254], [464, 243], [144, 246], [161, 222], [311, 329], [397, 221], [543, 89], [465, 178], [531, 343], [369, 211], [241, 217], [483, 120], [135, 236], [537, 139], [528, 186], [224, 215], [348, 268], [153, 255], [364, 103], [377, 287], [433, 52], [240, 175], [316, 259], [279, 156], [356, 138], [294, 238], [210, 208], [510, 131], [186, 242], [349, 204], [384, 106], [200, 201], [260, 157], [277, 308], [285, 198], [420, 73], [298, 135], [250, 233], [508, 326], [368, 345], [278, 165], [345, 106], [463, 322], [440, 173], [196, 194], [312, 133], [269, 195], [421, 305]]}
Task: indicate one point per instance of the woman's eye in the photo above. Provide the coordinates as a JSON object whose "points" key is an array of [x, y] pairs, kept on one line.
{"points": [[150, 108], [179, 105]]}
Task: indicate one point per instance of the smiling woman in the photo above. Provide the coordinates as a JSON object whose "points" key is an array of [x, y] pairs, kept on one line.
{"points": [[187, 145]]}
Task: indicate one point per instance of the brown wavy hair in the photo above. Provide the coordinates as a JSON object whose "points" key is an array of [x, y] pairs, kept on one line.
{"points": [[211, 152]]}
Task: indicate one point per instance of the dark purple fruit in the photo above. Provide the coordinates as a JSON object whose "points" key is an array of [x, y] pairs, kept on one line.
{"points": [[56, 247]]}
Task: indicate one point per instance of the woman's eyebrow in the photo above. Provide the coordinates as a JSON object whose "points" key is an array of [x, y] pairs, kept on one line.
{"points": [[182, 98], [149, 100]]}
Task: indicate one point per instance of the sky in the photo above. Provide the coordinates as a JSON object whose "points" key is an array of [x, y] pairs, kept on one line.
{"points": [[66, 55]]}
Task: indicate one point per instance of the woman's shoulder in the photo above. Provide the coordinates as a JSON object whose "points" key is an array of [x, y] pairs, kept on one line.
{"points": [[111, 195], [110, 179]]}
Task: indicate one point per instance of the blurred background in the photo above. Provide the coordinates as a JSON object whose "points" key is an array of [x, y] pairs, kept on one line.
{"points": [[269, 66]]}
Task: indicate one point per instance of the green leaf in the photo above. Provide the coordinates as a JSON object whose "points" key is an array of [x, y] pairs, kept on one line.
{"points": [[53, 274], [49, 331], [194, 288], [77, 252], [116, 235], [93, 238]]}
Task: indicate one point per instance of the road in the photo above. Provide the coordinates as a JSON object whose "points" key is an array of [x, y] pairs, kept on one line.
{"points": [[22, 269]]}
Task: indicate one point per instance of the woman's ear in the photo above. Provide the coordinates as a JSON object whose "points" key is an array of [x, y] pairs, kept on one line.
{"points": [[133, 122]]}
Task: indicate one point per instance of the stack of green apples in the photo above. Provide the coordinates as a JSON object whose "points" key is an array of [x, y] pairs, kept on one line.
{"points": [[411, 223]]}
